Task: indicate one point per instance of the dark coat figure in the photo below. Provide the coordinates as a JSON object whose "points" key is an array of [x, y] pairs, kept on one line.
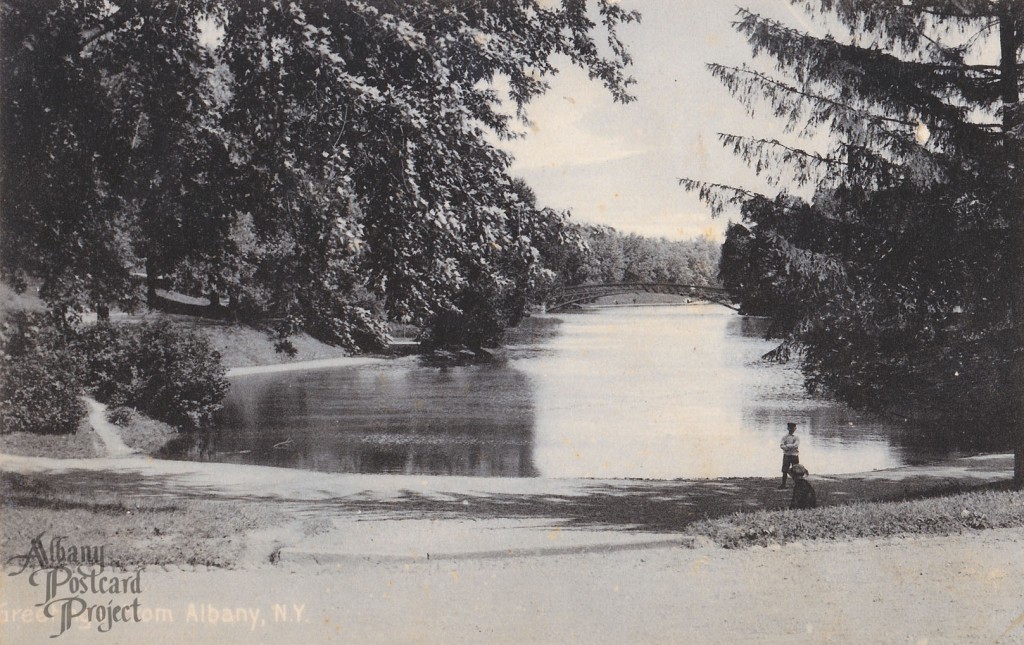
{"points": [[790, 451], [803, 492]]}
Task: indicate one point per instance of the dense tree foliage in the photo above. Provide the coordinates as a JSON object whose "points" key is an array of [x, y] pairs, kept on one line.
{"points": [[40, 382], [169, 373], [900, 282], [325, 164], [603, 255]]}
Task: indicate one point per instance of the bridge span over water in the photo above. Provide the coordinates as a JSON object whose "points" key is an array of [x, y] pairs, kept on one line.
{"points": [[582, 293]]}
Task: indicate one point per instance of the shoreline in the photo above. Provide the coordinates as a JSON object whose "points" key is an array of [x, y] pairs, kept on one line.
{"points": [[110, 436], [394, 558], [396, 495], [316, 364]]}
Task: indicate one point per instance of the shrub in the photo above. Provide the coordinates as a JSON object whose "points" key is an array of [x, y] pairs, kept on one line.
{"points": [[110, 367], [40, 390], [140, 432], [168, 373], [121, 415]]}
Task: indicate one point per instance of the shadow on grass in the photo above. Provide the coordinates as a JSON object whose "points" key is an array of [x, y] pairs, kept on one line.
{"points": [[139, 530], [628, 505], [35, 492]]}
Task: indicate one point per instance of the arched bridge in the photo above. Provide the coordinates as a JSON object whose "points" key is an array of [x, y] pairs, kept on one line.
{"points": [[577, 294]]}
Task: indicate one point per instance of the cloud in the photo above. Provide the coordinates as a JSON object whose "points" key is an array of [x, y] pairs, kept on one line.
{"points": [[566, 128], [568, 145]]}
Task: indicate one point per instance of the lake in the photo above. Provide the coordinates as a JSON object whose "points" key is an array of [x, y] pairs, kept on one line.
{"points": [[627, 392]]}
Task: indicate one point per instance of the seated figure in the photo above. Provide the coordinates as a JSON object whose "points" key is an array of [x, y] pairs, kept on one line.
{"points": [[803, 492]]}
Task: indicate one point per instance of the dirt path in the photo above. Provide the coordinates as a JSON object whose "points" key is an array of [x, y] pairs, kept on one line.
{"points": [[654, 505], [107, 431], [459, 559], [935, 590]]}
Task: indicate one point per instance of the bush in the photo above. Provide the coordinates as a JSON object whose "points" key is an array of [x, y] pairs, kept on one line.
{"points": [[170, 374], [110, 367], [40, 390], [122, 415], [141, 433], [478, 318]]}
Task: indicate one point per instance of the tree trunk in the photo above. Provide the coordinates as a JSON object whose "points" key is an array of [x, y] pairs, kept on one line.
{"points": [[1018, 464], [103, 312], [1009, 39], [151, 297]]}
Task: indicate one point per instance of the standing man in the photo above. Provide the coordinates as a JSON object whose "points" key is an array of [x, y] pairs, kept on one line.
{"points": [[790, 451]]}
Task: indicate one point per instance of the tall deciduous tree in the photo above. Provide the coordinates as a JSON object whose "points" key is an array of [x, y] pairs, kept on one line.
{"points": [[902, 280], [316, 161]]}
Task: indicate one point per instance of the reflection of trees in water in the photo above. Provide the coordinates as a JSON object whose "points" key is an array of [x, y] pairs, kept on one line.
{"points": [[916, 439], [838, 425], [507, 460], [748, 326], [940, 439], [476, 420]]}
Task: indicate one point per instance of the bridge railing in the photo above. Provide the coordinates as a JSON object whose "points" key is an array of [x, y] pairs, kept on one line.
{"points": [[576, 294]]}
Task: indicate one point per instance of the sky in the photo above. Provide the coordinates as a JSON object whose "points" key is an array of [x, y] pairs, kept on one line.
{"points": [[619, 165]]}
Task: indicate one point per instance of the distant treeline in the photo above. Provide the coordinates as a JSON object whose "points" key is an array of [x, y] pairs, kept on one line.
{"points": [[606, 256]]}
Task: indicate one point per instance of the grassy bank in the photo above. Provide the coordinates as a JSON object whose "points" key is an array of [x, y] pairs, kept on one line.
{"points": [[83, 444], [244, 346], [139, 530], [532, 330], [140, 432], [945, 515]]}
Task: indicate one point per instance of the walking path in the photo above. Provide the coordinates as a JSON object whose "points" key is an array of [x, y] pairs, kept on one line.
{"points": [[106, 430], [467, 560], [957, 589], [407, 517]]}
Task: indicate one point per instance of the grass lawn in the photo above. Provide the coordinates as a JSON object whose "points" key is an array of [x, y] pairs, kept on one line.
{"points": [[140, 432], [83, 444], [945, 515], [140, 530], [244, 346]]}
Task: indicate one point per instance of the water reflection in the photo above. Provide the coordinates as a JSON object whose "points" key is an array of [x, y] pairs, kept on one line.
{"points": [[682, 392], [631, 392], [397, 418]]}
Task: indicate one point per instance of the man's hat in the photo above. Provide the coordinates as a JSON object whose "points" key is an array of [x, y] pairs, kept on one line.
{"points": [[791, 425], [798, 471]]}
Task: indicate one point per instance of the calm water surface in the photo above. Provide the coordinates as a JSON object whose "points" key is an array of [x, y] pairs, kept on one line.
{"points": [[656, 392]]}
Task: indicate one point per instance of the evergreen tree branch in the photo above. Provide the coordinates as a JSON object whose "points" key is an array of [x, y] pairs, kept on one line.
{"points": [[852, 163], [909, 89], [859, 125], [899, 21], [766, 156], [718, 197]]}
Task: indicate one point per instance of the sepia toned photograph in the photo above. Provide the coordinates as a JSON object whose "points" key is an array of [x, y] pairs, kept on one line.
{"points": [[512, 321]]}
